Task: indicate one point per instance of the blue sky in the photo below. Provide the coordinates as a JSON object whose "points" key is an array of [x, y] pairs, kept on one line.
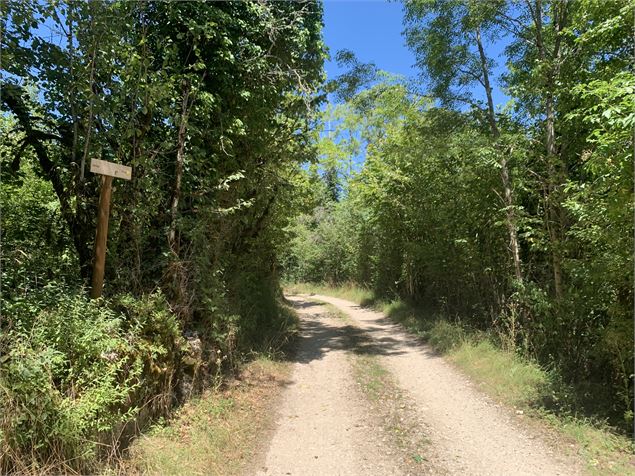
{"points": [[372, 30]]}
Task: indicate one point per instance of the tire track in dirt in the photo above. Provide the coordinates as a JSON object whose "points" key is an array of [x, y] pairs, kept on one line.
{"points": [[469, 433], [323, 425]]}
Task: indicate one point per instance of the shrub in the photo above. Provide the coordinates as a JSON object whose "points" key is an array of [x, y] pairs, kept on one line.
{"points": [[73, 374]]}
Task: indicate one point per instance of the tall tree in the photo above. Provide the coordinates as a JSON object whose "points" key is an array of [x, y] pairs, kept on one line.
{"points": [[448, 39]]}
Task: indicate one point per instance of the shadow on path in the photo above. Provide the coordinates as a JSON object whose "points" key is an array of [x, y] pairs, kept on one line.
{"points": [[320, 335]]}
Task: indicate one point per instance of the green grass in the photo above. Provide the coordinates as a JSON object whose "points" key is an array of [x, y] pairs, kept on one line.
{"points": [[506, 376]]}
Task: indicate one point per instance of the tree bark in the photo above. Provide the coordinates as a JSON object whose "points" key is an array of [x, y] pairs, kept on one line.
{"points": [[178, 174], [512, 228]]}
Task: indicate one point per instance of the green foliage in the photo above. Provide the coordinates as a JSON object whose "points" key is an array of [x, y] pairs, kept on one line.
{"points": [[318, 251], [441, 34], [36, 245], [516, 220], [211, 104], [74, 372]]}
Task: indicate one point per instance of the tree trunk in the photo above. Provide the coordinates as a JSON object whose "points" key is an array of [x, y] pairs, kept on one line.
{"points": [[554, 224], [488, 88], [178, 174], [512, 228], [553, 210]]}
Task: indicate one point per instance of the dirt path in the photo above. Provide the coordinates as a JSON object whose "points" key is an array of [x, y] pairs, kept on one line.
{"points": [[469, 433], [323, 425]]}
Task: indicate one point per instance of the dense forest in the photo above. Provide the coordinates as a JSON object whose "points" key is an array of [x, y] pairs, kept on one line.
{"points": [[212, 104], [517, 219]]}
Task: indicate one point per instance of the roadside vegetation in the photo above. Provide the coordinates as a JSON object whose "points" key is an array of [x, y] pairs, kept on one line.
{"points": [[211, 104], [520, 383], [219, 432]]}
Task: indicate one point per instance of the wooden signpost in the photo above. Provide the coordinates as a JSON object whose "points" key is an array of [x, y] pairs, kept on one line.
{"points": [[107, 170]]}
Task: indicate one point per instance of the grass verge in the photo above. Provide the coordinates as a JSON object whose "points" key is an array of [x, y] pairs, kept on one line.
{"points": [[217, 433], [504, 375]]}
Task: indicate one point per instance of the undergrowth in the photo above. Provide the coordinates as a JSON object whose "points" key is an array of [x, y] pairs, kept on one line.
{"points": [[76, 376], [80, 378]]}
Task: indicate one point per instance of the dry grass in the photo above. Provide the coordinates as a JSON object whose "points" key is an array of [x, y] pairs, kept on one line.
{"points": [[345, 291], [218, 433]]}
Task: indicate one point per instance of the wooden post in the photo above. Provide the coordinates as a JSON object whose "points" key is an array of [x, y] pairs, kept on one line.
{"points": [[107, 170], [101, 237]]}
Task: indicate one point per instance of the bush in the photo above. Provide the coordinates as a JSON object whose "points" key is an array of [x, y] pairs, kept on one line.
{"points": [[74, 373]]}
